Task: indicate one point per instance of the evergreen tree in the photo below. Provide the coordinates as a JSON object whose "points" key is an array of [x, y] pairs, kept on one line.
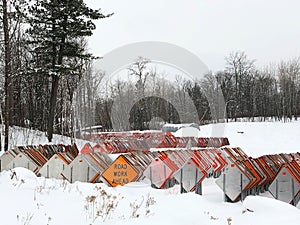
{"points": [[55, 27]]}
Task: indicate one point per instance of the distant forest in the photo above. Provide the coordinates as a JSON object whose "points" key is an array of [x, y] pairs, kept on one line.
{"points": [[47, 81], [245, 92]]}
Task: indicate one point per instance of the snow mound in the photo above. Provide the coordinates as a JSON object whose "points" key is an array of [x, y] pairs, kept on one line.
{"points": [[187, 132], [23, 173], [18, 178], [269, 210]]}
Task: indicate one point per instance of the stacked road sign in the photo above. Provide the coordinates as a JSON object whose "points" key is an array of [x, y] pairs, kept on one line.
{"points": [[87, 167], [56, 164], [165, 168], [124, 142], [286, 185], [29, 157], [34, 157], [6, 158], [279, 174]]}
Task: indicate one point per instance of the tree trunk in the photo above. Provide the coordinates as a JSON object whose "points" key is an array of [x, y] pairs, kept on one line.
{"points": [[53, 97], [8, 78]]}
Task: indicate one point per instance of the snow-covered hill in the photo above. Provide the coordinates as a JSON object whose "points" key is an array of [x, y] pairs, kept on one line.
{"points": [[19, 136], [255, 138]]}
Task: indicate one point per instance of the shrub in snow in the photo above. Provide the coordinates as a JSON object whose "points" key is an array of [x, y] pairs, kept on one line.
{"points": [[137, 207], [101, 205]]}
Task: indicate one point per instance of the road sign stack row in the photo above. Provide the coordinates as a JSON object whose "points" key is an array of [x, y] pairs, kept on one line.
{"points": [[279, 174], [166, 168], [162, 168], [127, 142], [35, 157]]}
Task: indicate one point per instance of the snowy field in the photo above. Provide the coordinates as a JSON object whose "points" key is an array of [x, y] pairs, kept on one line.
{"points": [[27, 199], [259, 138]]}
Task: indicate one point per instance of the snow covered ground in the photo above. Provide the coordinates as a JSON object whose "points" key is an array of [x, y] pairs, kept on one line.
{"points": [[259, 138], [21, 136], [27, 199]]}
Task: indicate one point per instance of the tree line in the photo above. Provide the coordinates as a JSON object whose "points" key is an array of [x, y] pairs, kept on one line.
{"points": [[270, 92], [47, 81]]}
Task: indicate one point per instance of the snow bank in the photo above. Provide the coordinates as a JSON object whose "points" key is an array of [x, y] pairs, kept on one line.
{"points": [[36, 201], [269, 211]]}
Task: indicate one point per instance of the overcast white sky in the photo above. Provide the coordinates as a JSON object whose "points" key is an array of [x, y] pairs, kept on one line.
{"points": [[267, 30]]}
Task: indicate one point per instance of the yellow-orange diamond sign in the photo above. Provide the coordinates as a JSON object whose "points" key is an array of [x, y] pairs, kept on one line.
{"points": [[120, 172]]}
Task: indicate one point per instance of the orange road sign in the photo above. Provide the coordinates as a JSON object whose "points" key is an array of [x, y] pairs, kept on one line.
{"points": [[120, 172]]}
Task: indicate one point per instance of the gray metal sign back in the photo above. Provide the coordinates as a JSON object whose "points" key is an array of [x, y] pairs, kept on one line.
{"points": [[158, 172], [5, 159], [189, 175], [22, 160], [285, 187], [232, 182], [53, 168], [80, 169]]}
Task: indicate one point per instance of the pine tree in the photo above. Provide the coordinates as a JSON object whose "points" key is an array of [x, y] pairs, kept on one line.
{"points": [[55, 27]]}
